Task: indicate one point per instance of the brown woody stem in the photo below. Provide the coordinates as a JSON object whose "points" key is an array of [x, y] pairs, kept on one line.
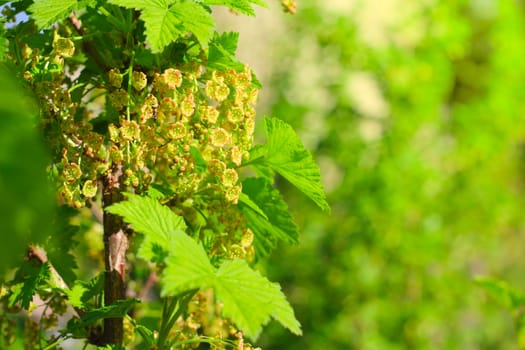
{"points": [[115, 247], [87, 45]]}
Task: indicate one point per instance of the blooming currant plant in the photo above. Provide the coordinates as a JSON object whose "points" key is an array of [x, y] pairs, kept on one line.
{"points": [[149, 118]]}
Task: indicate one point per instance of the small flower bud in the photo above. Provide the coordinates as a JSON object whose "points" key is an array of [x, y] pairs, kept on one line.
{"points": [[235, 115], [177, 131], [172, 77], [130, 130], [247, 238], [209, 114], [217, 90], [114, 133], [236, 155], [219, 137], [187, 106], [229, 177], [233, 193], [139, 80], [115, 78], [216, 167], [64, 47], [89, 190]]}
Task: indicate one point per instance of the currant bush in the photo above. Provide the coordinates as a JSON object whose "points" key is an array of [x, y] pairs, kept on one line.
{"points": [[150, 133]]}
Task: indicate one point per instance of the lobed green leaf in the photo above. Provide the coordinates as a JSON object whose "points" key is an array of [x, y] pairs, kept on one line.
{"points": [[286, 155], [194, 18], [250, 299], [162, 27], [75, 295], [245, 200], [81, 292], [276, 224], [258, 163], [47, 12], [166, 21], [156, 222], [221, 52], [138, 4], [33, 276], [187, 267]]}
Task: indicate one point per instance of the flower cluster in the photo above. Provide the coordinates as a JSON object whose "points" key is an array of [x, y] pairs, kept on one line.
{"points": [[79, 152], [186, 128], [191, 127]]}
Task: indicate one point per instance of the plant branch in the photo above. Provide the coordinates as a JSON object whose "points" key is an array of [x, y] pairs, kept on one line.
{"points": [[115, 247], [87, 45], [39, 254]]}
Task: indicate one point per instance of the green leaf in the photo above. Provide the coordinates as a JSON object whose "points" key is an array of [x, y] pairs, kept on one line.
{"points": [[241, 6], [33, 275], [187, 267], [75, 295], [47, 12], [504, 294], [157, 222], [162, 27], [60, 242], [145, 57], [166, 21], [159, 192], [258, 163], [27, 201], [245, 200], [194, 18], [277, 223], [287, 156], [155, 193], [81, 292], [228, 42], [146, 334], [221, 52], [250, 299], [117, 309]]}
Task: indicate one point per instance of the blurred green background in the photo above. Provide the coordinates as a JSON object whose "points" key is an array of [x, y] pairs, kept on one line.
{"points": [[415, 111], [26, 198]]}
